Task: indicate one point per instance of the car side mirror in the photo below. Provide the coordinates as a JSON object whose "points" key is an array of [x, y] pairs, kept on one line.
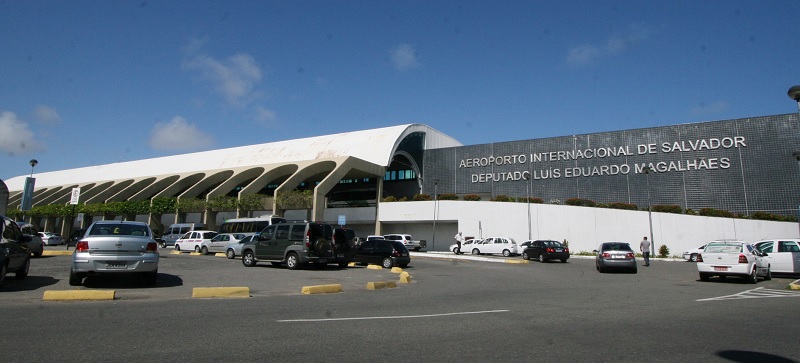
{"points": [[764, 254]]}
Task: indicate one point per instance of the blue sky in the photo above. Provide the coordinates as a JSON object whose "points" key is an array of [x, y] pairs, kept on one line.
{"points": [[95, 82]]}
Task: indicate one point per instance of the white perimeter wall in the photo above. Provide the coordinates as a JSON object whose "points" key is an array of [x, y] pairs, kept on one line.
{"points": [[584, 227]]}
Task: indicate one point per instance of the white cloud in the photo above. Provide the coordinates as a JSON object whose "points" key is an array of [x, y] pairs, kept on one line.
{"points": [[264, 116], [46, 115], [235, 78], [616, 44], [15, 136], [179, 135], [404, 56]]}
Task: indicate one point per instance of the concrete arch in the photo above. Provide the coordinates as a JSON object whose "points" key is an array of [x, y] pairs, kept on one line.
{"points": [[55, 197], [43, 196], [210, 182], [3, 198], [235, 180], [136, 187], [105, 195], [181, 185], [90, 190], [65, 196], [151, 190], [270, 174]]}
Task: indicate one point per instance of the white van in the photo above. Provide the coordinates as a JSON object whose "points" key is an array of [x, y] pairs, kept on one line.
{"points": [[175, 231]]}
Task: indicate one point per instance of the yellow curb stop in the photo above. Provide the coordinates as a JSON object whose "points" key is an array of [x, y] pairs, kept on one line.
{"points": [[195, 254], [321, 289], [381, 285], [57, 253], [397, 270], [62, 295], [208, 292], [173, 252], [405, 278], [351, 264], [517, 261], [220, 254], [374, 267]]}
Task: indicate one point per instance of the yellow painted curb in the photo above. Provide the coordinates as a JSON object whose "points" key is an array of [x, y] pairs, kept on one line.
{"points": [[795, 285], [173, 252], [60, 295], [351, 264], [321, 289], [207, 292], [57, 253], [220, 254], [195, 254], [374, 267], [517, 261], [381, 285], [397, 270]]}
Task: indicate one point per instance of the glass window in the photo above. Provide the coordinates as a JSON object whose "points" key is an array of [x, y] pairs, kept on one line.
{"points": [[298, 231], [765, 246], [282, 232], [788, 246]]}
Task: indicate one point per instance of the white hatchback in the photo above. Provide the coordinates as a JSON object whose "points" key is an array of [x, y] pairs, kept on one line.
{"points": [[220, 242], [506, 246], [193, 241]]}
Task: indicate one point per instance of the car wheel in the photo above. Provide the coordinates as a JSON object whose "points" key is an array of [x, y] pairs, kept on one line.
{"points": [[768, 276], [291, 261], [39, 253], [2, 274], [563, 260], [23, 271], [196, 248], [541, 258], [230, 254], [149, 278], [204, 250], [752, 278], [248, 259], [704, 276], [506, 253], [456, 250], [525, 256], [476, 252], [343, 264], [416, 249], [634, 270], [404, 265], [75, 279], [163, 245], [177, 247], [693, 258], [387, 262]]}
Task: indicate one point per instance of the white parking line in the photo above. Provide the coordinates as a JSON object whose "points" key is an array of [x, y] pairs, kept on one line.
{"points": [[757, 293], [394, 317]]}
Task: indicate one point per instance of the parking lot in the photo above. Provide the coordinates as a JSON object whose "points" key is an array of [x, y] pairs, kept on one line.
{"points": [[454, 308]]}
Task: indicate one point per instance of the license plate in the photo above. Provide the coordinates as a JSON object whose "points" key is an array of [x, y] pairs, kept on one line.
{"points": [[617, 256], [720, 268], [559, 250], [340, 255], [116, 265]]}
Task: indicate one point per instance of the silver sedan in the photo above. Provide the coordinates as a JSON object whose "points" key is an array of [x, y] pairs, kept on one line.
{"points": [[115, 247]]}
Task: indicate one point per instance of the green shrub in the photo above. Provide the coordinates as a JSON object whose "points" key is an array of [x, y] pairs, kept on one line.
{"points": [[676, 209], [531, 200], [421, 197], [663, 251], [389, 199], [621, 205], [502, 198], [580, 202], [472, 197], [447, 196], [711, 212]]}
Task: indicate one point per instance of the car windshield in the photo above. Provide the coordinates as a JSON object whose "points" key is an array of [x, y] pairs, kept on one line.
{"points": [[121, 229], [724, 248]]}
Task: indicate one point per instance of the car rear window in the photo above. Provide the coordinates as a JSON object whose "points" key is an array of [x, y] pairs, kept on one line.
{"points": [[209, 235], [399, 246], [616, 247], [121, 229], [724, 248]]}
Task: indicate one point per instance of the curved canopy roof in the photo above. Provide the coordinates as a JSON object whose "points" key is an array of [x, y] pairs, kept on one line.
{"points": [[376, 146]]}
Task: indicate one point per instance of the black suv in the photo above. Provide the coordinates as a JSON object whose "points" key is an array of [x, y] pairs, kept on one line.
{"points": [[383, 252], [14, 255], [295, 243]]}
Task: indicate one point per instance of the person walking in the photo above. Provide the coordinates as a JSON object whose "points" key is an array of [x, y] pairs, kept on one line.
{"points": [[644, 246], [459, 239]]}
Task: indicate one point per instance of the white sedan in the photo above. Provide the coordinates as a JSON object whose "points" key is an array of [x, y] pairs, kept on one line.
{"points": [[467, 245], [220, 242], [783, 255], [506, 246], [691, 255], [50, 238], [191, 241], [732, 258]]}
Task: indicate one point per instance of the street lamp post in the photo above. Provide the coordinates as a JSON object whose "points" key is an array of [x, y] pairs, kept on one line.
{"points": [[646, 171], [527, 178], [435, 212]]}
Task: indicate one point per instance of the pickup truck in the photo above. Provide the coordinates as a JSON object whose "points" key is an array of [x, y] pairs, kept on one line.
{"points": [[407, 240]]}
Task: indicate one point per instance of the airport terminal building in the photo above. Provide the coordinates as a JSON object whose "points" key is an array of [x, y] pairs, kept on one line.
{"points": [[742, 166]]}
